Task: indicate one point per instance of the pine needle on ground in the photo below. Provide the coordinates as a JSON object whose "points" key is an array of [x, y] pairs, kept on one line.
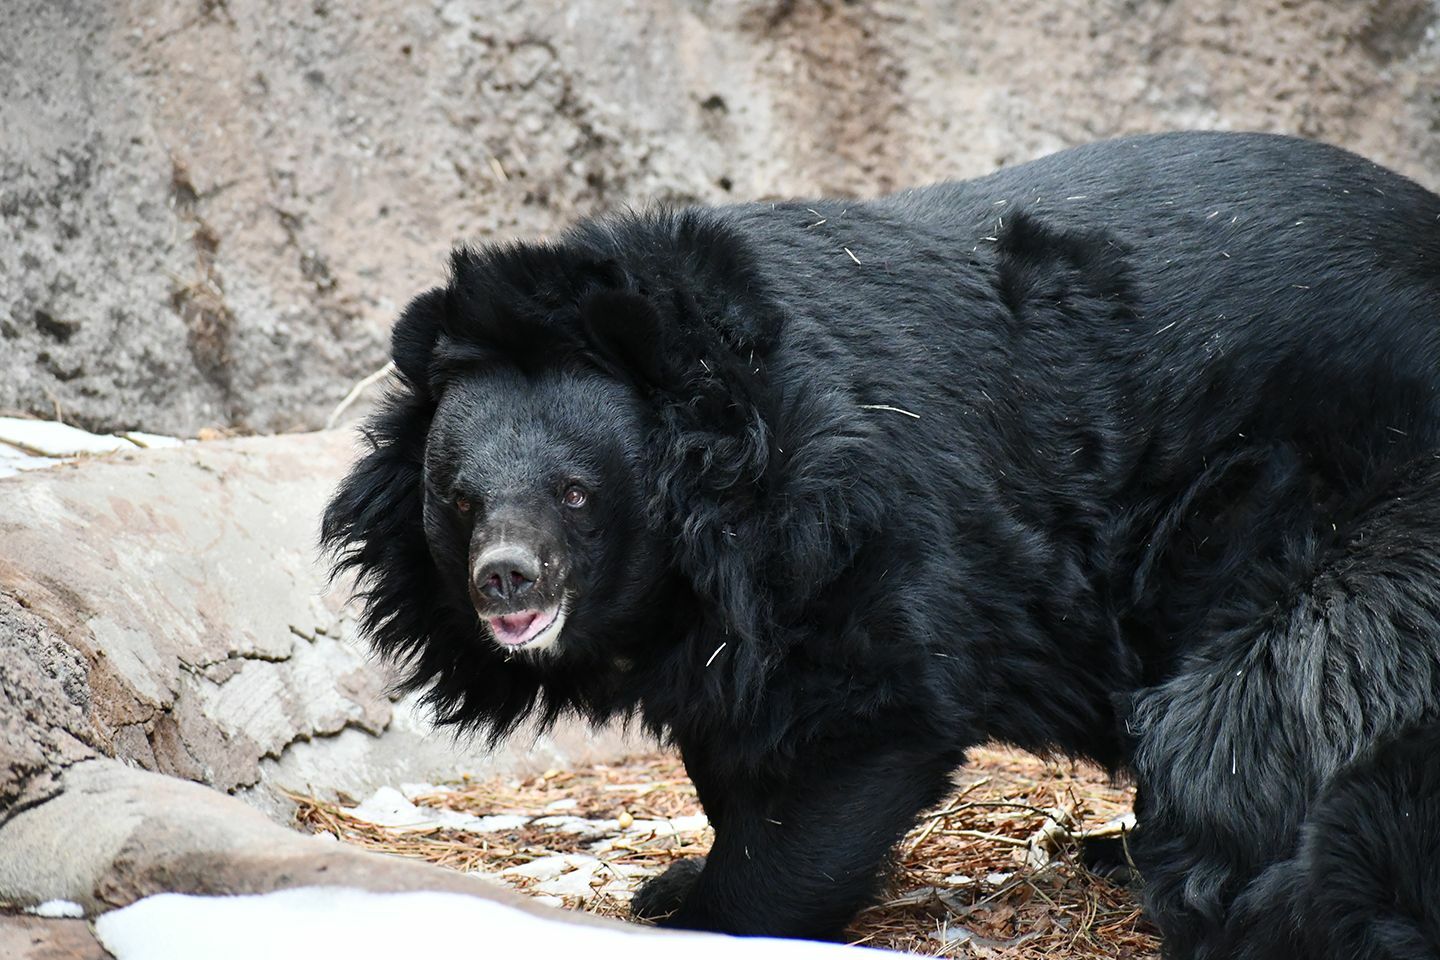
{"points": [[993, 872]]}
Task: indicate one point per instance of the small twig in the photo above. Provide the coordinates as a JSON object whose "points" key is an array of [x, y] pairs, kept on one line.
{"points": [[957, 806], [355, 393], [54, 400], [992, 837], [1006, 805], [924, 835]]}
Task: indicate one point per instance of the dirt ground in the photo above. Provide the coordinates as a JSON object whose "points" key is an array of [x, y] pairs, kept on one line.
{"points": [[992, 872]]}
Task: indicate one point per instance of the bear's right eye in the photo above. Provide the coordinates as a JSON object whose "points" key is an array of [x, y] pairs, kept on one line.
{"points": [[575, 496], [463, 504]]}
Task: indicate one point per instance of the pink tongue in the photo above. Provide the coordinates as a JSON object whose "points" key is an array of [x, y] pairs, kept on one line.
{"points": [[516, 628]]}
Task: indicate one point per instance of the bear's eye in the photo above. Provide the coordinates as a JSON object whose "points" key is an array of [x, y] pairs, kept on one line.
{"points": [[574, 496], [463, 504]]}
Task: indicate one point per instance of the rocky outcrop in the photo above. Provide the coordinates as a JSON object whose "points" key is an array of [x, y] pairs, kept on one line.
{"points": [[115, 835], [184, 581], [47, 938], [163, 611], [44, 715], [146, 834], [210, 212], [166, 607]]}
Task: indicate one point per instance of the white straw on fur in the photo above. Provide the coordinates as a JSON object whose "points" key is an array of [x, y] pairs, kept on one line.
{"points": [[886, 406]]}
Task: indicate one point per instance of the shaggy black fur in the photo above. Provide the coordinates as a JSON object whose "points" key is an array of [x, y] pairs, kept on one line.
{"points": [[1129, 453]]}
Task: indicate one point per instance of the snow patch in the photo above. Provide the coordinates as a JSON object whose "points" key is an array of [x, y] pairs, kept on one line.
{"points": [[414, 790], [578, 875], [389, 808], [586, 828], [394, 810], [57, 910], [360, 925], [51, 438], [37, 444], [13, 460]]}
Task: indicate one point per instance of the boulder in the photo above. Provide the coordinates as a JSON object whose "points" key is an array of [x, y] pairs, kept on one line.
{"points": [[167, 608], [164, 618]]}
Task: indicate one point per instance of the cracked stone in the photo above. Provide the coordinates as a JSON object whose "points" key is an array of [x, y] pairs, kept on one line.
{"points": [[182, 617]]}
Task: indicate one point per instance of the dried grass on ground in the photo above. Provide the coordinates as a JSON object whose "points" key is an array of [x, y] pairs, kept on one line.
{"points": [[992, 872]]}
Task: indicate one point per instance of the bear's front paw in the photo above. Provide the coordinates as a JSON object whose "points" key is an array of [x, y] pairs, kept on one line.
{"points": [[662, 896], [1108, 857]]}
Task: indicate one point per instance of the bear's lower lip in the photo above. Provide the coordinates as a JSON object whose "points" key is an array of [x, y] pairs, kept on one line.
{"points": [[518, 629]]}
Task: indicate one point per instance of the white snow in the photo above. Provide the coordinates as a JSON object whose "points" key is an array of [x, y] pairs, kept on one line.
{"points": [[413, 790], [575, 875], [13, 460], [587, 828], [579, 875], [314, 922], [542, 868], [50, 438], [57, 909], [388, 807], [38, 444], [393, 809]]}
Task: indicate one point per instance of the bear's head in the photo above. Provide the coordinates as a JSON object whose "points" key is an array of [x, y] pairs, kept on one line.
{"points": [[532, 503], [566, 486]]}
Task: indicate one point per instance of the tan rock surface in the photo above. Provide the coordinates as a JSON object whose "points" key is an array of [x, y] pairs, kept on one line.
{"points": [[210, 212], [35, 938], [186, 583], [167, 607], [115, 835], [164, 609]]}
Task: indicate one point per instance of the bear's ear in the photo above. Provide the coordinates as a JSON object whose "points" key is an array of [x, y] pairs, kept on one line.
{"points": [[1048, 267], [629, 335], [412, 341]]}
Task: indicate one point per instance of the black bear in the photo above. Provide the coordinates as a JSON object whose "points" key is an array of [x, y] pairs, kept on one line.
{"points": [[1131, 453]]}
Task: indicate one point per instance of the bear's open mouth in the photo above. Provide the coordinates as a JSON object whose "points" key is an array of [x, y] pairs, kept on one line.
{"points": [[526, 627]]}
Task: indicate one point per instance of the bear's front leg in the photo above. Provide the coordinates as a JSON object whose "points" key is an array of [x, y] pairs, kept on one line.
{"points": [[798, 853]]}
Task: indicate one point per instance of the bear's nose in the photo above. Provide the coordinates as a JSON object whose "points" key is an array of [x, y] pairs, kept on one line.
{"points": [[504, 574]]}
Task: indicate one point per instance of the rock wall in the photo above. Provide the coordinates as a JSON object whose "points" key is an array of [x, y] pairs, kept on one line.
{"points": [[210, 211]]}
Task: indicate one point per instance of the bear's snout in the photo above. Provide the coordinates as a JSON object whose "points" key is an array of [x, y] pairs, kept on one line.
{"points": [[504, 574]]}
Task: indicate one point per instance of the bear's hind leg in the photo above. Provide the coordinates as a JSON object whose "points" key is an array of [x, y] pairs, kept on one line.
{"points": [[1329, 652], [1370, 856]]}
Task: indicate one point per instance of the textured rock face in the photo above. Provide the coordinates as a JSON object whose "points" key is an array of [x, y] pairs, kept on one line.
{"points": [[184, 585], [166, 607], [44, 720], [33, 938], [210, 212], [115, 835], [147, 834]]}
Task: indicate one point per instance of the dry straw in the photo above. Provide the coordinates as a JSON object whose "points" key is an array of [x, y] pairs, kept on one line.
{"points": [[993, 872]]}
